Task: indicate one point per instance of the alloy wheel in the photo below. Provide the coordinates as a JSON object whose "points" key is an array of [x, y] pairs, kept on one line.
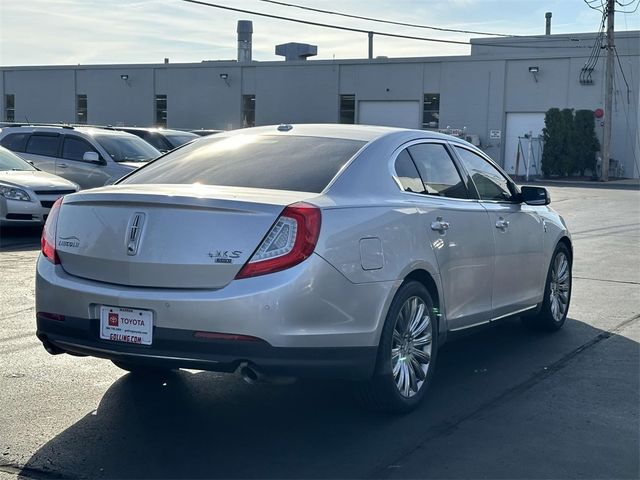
{"points": [[411, 347], [559, 287]]}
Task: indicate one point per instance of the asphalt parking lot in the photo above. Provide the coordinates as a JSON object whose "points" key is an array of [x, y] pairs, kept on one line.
{"points": [[506, 402]]}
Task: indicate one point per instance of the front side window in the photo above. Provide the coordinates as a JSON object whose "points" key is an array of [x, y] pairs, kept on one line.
{"points": [[74, 148], [43, 144], [439, 174], [305, 164], [489, 182]]}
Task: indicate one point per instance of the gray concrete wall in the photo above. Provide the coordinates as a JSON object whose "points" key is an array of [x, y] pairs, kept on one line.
{"points": [[39, 97], [296, 94], [208, 101], [114, 101], [476, 91]]}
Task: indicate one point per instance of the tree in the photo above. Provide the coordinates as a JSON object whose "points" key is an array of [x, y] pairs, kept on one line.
{"points": [[565, 165], [552, 137], [586, 142]]}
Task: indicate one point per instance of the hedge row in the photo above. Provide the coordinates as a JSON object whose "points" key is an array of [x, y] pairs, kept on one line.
{"points": [[570, 142]]}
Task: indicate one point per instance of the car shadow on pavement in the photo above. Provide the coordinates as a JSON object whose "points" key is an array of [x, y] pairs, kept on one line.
{"points": [[208, 425], [19, 237]]}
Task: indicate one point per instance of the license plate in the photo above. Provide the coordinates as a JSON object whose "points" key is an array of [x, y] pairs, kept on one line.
{"points": [[126, 325]]}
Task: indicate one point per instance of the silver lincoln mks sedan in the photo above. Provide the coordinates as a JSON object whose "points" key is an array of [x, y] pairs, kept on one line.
{"points": [[301, 251]]}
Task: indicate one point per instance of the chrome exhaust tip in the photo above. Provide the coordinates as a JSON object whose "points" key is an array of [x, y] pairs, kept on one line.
{"points": [[253, 376]]}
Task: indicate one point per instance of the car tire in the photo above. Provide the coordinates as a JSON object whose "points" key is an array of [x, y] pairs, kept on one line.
{"points": [[557, 293], [141, 370], [399, 368]]}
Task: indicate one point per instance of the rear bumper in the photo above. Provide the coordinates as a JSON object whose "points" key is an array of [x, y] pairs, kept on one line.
{"points": [[175, 348], [308, 305]]}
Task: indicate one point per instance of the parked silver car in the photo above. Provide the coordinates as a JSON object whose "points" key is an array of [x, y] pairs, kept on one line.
{"points": [[161, 138], [307, 250], [90, 157], [27, 194]]}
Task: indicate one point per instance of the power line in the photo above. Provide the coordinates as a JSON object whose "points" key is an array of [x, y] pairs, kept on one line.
{"points": [[624, 77], [390, 22], [626, 5], [592, 61], [360, 30]]}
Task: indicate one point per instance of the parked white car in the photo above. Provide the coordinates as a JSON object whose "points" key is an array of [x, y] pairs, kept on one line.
{"points": [[27, 194], [90, 157]]}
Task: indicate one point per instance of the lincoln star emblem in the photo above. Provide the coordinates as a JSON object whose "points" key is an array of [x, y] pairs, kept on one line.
{"points": [[134, 233]]}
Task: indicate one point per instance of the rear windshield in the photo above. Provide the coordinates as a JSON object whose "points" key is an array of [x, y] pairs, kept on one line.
{"points": [[176, 139], [304, 164]]}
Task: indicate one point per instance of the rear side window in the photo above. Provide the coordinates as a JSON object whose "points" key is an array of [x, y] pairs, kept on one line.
{"points": [[305, 164], [16, 142], [75, 148], [438, 172], [41, 144], [407, 174]]}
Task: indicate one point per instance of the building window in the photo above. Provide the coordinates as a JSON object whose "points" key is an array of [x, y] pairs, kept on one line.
{"points": [[347, 109], [81, 109], [248, 111], [161, 111], [431, 110], [10, 107]]}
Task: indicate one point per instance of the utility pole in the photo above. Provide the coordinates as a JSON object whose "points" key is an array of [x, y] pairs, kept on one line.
{"points": [[608, 93], [370, 45]]}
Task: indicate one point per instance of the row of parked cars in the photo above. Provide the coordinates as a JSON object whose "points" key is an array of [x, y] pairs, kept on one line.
{"points": [[39, 164]]}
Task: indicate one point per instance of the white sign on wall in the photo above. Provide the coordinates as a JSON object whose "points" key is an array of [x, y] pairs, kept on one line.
{"points": [[495, 134]]}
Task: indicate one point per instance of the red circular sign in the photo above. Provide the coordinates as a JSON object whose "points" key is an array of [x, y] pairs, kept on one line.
{"points": [[599, 113]]}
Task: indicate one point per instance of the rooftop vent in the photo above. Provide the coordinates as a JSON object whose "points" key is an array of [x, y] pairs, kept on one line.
{"points": [[296, 51], [245, 32]]}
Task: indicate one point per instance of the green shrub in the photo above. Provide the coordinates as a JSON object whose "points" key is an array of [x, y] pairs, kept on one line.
{"points": [[586, 142], [553, 143]]}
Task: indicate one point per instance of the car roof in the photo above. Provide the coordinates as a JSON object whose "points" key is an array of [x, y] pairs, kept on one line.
{"points": [[60, 129], [153, 129], [365, 133]]}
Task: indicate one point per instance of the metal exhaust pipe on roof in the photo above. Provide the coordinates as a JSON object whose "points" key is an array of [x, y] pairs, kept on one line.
{"points": [[245, 34], [547, 16]]}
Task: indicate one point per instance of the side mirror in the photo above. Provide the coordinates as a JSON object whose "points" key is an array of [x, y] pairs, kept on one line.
{"points": [[92, 157], [535, 195]]}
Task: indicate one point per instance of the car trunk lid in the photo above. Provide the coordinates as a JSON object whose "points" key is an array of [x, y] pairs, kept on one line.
{"points": [[167, 236]]}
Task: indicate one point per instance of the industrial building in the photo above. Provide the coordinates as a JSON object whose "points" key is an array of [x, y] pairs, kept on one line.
{"points": [[496, 96]]}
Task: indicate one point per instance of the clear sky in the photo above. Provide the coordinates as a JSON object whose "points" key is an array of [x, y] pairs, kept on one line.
{"points": [[51, 32]]}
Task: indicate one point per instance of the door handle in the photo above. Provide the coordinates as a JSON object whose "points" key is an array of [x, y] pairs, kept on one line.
{"points": [[62, 165], [502, 224], [440, 225]]}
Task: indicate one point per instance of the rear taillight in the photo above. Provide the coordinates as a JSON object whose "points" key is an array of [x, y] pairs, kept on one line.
{"points": [[48, 239], [291, 240]]}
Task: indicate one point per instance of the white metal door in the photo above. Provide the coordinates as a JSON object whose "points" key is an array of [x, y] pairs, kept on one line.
{"points": [[405, 114], [519, 125]]}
